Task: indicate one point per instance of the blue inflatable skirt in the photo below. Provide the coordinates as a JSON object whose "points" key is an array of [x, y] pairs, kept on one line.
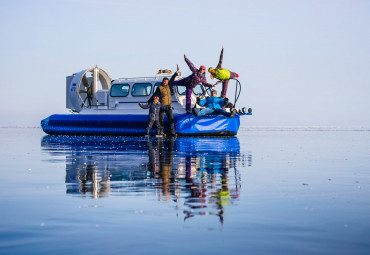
{"points": [[134, 125], [188, 124]]}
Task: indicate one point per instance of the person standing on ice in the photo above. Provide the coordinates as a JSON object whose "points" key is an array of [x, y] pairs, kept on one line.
{"points": [[222, 74], [163, 92], [154, 109], [190, 82]]}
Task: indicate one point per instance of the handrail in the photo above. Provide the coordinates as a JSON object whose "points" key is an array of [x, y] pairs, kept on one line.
{"points": [[237, 85]]}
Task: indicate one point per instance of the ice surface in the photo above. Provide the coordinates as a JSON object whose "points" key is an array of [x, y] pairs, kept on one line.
{"points": [[266, 191]]}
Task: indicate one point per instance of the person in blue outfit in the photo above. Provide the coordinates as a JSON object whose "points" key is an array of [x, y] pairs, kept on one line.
{"points": [[213, 105], [154, 109]]}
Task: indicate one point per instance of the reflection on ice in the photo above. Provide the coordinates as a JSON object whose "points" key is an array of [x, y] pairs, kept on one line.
{"points": [[199, 175]]}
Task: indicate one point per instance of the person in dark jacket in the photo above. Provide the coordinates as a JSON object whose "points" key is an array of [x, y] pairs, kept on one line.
{"points": [[192, 81], [213, 105], [163, 91], [154, 110]]}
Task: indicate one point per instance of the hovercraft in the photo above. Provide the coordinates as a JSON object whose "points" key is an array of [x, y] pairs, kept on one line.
{"points": [[101, 106]]}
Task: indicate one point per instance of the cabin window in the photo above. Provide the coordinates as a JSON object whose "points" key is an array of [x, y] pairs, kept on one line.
{"points": [[141, 89], [156, 86], [119, 90], [198, 90]]}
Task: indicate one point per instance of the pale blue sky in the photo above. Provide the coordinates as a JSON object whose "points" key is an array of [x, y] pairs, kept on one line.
{"points": [[301, 63]]}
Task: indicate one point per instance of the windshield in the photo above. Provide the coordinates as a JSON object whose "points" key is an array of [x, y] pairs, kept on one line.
{"points": [[198, 90]]}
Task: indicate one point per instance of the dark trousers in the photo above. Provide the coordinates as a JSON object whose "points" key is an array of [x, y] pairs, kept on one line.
{"points": [[150, 124], [168, 111]]}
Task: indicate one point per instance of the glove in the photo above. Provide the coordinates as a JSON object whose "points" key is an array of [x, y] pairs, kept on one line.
{"points": [[198, 100]]}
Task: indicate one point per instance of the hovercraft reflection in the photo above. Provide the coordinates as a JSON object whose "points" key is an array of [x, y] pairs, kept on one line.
{"points": [[199, 175]]}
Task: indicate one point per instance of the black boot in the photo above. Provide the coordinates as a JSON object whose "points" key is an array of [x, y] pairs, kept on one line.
{"points": [[159, 133], [195, 112], [172, 131]]}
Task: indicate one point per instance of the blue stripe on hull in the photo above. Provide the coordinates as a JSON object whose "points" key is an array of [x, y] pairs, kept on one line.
{"points": [[185, 124]]}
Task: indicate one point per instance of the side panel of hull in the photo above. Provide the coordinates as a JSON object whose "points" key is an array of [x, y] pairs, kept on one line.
{"points": [[185, 124]]}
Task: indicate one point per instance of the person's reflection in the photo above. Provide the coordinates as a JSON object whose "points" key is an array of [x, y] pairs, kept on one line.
{"points": [[153, 164], [160, 154], [221, 195], [197, 198]]}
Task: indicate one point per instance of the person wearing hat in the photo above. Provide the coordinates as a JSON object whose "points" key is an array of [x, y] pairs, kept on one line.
{"points": [[163, 92], [198, 76], [213, 105], [222, 74], [154, 110]]}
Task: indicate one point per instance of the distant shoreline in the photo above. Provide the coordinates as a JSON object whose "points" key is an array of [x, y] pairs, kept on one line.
{"points": [[19, 127]]}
